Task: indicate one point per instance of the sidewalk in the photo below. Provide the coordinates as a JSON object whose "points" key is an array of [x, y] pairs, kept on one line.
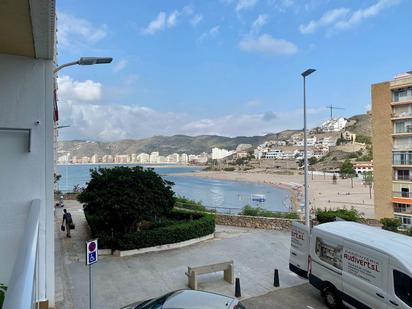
{"points": [[120, 281]]}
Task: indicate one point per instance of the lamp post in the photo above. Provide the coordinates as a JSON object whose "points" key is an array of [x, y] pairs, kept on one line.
{"points": [[85, 61], [305, 150]]}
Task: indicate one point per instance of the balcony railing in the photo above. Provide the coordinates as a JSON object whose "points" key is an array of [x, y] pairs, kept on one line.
{"points": [[407, 210], [401, 115], [406, 129], [402, 162], [20, 293], [402, 194], [403, 177]]}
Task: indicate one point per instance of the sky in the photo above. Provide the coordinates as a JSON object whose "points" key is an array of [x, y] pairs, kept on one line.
{"points": [[226, 67]]}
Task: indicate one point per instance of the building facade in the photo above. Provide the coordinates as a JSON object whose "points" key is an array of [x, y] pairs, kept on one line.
{"points": [[392, 148]]}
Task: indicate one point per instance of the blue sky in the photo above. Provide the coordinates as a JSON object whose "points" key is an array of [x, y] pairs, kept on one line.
{"points": [[228, 67]]}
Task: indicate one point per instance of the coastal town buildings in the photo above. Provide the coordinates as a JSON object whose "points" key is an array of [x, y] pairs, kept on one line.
{"points": [[361, 167], [392, 147]]}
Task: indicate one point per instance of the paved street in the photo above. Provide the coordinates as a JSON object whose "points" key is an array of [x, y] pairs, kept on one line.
{"points": [[298, 297], [119, 281]]}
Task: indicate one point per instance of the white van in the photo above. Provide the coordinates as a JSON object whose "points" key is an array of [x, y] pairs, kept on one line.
{"points": [[355, 264]]}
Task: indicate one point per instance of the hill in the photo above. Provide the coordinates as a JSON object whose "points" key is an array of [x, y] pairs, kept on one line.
{"points": [[360, 124], [165, 144]]}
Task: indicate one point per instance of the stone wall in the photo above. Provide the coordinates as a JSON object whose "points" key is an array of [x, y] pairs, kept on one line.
{"points": [[255, 222], [277, 224]]}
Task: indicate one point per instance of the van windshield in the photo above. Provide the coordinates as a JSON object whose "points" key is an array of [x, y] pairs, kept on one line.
{"points": [[403, 287]]}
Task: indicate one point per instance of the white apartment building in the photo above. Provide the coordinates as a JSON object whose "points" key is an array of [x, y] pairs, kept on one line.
{"points": [[107, 159], [184, 158], [94, 159], [143, 158], [219, 153], [154, 157], [64, 159], [122, 159], [161, 160], [173, 158], [334, 125], [27, 84], [85, 160]]}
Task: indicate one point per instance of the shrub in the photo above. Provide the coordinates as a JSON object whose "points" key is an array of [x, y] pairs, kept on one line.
{"points": [[260, 212], [183, 202], [120, 198], [324, 216], [188, 225], [391, 224], [229, 169]]}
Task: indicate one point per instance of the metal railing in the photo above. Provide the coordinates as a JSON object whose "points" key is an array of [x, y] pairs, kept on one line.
{"points": [[20, 293], [402, 162], [402, 194]]}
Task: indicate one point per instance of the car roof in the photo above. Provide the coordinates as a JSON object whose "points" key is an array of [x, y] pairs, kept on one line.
{"points": [[391, 243], [192, 299]]}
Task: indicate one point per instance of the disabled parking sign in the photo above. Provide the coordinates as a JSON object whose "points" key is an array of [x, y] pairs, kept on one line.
{"points": [[91, 252]]}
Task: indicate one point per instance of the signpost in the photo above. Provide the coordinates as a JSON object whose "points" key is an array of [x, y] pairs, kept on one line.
{"points": [[91, 258]]}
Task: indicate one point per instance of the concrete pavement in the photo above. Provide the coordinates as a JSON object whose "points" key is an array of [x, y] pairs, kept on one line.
{"points": [[298, 297], [120, 281]]}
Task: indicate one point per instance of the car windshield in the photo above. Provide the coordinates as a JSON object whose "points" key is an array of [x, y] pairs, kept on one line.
{"points": [[156, 303]]}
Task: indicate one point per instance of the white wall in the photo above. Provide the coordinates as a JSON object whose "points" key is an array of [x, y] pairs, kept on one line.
{"points": [[26, 96]]}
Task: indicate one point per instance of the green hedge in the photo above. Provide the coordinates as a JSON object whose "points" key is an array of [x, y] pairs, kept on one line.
{"points": [[183, 202], [324, 216], [260, 212], [179, 226]]}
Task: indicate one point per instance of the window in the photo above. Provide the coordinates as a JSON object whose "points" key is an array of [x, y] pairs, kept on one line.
{"points": [[405, 192], [329, 253], [403, 287], [403, 174]]}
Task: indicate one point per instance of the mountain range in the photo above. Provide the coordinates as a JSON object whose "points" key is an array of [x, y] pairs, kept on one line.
{"points": [[359, 124]]}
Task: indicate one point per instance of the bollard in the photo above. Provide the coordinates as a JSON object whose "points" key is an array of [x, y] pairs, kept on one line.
{"points": [[237, 288], [276, 279]]}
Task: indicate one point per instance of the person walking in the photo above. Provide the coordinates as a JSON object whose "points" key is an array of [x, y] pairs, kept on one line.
{"points": [[67, 218]]}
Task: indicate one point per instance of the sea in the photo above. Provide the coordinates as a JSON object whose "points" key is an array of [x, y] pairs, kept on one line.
{"points": [[223, 195]]}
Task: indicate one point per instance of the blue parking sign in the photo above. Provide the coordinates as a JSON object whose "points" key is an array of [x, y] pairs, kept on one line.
{"points": [[91, 252]]}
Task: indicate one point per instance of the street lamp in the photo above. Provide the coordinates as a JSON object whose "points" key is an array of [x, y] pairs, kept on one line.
{"points": [[85, 61], [305, 150]]}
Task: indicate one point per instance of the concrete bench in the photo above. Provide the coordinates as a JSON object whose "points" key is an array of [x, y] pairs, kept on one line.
{"points": [[226, 267]]}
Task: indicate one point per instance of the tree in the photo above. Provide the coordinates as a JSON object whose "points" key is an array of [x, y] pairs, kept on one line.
{"points": [[347, 170], [312, 160], [368, 179], [120, 198]]}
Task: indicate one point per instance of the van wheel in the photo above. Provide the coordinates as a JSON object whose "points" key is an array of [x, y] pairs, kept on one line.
{"points": [[331, 298]]}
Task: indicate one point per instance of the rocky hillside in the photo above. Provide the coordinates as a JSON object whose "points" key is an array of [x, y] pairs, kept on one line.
{"points": [[360, 124]]}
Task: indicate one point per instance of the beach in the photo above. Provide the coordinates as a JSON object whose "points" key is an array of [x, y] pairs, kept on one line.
{"points": [[323, 193]]}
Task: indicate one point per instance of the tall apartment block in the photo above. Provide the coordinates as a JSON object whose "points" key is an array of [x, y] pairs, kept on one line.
{"points": [[392, 147]]}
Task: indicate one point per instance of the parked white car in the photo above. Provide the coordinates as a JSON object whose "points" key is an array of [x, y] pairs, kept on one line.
{"points": [[355, 264], [189, 299]]}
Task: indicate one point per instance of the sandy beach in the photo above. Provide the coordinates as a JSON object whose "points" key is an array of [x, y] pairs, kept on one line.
{"points": [[322, 192]]}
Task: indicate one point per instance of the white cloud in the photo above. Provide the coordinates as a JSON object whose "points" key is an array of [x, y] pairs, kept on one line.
{"points": [[253, 103], [266, 44], [259, 22], [73, 31], [211, 33], [344, 18], [156, 24], [196, 19], [87, 91], [172, 19], [328, 18], [358, 16], [93, 121], [245, 4], [120, 65]]}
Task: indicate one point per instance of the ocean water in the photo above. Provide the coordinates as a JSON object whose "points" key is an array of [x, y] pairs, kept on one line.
{"points": [[214, 193]]}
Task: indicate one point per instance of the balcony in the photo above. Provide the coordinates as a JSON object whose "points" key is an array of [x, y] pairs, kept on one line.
{"points": [[402, 162], [402, 177], [21, 291], [402, 102], [400, 116], [402, 194]]}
